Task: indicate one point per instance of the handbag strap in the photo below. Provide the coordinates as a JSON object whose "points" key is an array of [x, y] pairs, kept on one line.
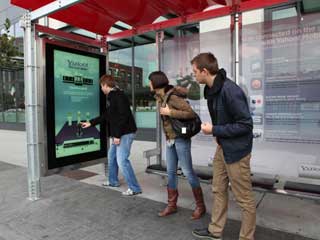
{"points": [[166, 97], [165, 100]]}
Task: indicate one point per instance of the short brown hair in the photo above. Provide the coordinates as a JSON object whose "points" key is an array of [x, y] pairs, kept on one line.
{"points": [[158, 79], [108, 80], [207, 61]]}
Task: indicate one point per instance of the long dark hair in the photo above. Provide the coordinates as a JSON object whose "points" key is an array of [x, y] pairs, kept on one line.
{"points": [[158, 79]]}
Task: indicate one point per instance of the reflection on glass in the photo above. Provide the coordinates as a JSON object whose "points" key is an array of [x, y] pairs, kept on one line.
{"points": [[280, 69], [12, 107], [146, 61], [120, 67]]}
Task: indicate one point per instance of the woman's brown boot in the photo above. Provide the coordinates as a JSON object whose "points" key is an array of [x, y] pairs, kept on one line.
{"points": [[200, 206], [172, 203]]}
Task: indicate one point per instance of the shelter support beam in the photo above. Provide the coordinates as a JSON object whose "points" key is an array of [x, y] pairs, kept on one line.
{"points": [[69, 36], [32, 108], [51, 8], [105, 50], [159, 44], [236, 47]]}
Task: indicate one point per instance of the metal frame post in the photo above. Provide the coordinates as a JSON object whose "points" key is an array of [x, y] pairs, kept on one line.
{"points": [[159, 44], [133, 99], [1, 94], [32, 107], [236, 47], [104, 49]]}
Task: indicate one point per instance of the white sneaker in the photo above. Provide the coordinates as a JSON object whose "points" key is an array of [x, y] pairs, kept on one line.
{"points": [[107, 184], [129, 192]]}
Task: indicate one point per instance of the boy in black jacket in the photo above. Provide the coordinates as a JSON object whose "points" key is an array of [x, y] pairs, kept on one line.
{"points": [[232, 126], [121, 127]]}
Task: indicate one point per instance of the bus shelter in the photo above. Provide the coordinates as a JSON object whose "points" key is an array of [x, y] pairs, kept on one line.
{"points": [[272, 59]]}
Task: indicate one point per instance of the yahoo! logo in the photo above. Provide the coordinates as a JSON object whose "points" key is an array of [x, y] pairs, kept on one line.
{"points": [[309, 171], [310, 168], [77, 65]]}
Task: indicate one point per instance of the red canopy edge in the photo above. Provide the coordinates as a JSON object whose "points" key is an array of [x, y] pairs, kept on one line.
{"points": [[99, 15]]}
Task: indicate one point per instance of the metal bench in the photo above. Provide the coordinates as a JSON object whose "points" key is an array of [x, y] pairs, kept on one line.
{"points": [[260, 182]]}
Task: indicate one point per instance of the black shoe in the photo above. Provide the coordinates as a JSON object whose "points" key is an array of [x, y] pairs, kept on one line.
{"points": [[203, 233]]}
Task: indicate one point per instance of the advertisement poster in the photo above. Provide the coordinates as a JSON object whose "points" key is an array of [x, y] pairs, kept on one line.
{"points": [[76, 98], [292, 84], [281, 74]]}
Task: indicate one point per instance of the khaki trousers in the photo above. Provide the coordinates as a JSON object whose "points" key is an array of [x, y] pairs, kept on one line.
{"points": [[239, 176]]}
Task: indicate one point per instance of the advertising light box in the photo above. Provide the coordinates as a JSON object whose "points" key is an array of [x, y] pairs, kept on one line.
{"points": [[73, 96]]}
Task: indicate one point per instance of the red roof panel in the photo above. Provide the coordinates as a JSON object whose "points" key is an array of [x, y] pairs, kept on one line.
{"points": [[99, 15], [30, 5]]}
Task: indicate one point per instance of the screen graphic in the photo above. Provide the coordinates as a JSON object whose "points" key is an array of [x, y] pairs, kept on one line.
{"points": [[76, 98]]}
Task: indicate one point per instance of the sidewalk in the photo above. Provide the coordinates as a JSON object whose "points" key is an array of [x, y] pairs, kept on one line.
{"points": [[70, 209]]}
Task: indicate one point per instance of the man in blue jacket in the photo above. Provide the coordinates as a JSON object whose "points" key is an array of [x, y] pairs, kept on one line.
{"points": [[232, 127]]}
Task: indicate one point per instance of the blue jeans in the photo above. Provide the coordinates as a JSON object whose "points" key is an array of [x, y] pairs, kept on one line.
{"points": [[118, 158], [180, 151]]}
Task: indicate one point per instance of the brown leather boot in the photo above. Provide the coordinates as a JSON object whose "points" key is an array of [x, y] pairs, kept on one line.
{"points": [[172, 203], [200, 206]]}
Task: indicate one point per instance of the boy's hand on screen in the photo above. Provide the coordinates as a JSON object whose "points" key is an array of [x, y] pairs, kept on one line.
{"points": [[85, 124]]}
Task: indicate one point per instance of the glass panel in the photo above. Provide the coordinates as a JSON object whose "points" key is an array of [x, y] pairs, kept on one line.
{"points": [[176, 55], [214, 37], [18, 31], [120, 67], [19, 94], [19, 38], [280, 69], [113, 30], [160, 19], [124, 25], [145, 62], [1, 95], [284, 13], [178, 52], [9, 100], [12, 107], [85, 33]]}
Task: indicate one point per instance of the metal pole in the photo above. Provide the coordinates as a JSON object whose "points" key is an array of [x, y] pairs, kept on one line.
{"points": [[105, 50], [237, 47], [46, 21], [159, 43], [133, 78], [31, 108], [2, 108]]}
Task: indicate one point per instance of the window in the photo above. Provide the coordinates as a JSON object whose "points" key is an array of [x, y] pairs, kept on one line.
{"points": [[145, 63]]}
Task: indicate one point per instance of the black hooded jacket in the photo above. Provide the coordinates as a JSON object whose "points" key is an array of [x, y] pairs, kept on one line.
{"points": [[230, 116], [117, 115]]}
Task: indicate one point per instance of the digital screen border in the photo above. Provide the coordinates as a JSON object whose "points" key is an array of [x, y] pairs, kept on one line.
{"points": [[53, 161]]}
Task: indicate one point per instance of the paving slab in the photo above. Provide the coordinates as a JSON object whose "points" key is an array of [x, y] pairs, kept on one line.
{"points": [[70, 210]]}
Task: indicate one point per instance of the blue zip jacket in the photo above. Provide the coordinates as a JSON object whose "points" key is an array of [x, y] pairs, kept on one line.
{"points": [[230, 116]]}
